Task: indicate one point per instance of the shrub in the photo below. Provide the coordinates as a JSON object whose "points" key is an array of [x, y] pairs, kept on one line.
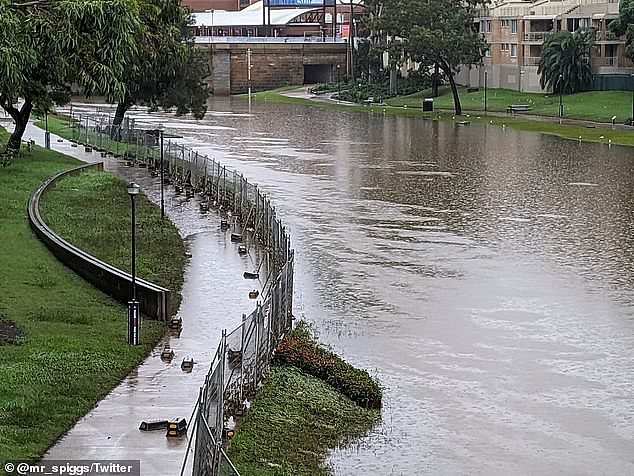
{"points": [[302, 351]]}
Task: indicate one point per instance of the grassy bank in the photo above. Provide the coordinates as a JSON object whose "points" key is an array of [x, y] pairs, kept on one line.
{"points": [[602, 133], [597, 106], [299, 415], [293, 422], [68, 348], [92, 211]]}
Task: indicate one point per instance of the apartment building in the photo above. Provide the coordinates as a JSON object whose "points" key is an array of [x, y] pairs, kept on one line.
{"points": [[516, 30]]}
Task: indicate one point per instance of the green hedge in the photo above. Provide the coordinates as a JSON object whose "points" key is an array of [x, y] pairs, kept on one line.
{"points": [[302, 351]]}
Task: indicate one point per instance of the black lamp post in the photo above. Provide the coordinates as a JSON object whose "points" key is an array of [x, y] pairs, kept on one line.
{"points": [[338, 82], [160, 130], [47, 133], [486, 77], [134, 320], [632, 120], [561, 97]]}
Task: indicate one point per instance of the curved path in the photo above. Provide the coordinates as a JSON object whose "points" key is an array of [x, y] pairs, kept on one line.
{"points": [[157, 389]]}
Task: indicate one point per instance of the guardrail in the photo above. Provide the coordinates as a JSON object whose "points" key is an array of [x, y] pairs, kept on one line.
{"points": [[154, 299]]}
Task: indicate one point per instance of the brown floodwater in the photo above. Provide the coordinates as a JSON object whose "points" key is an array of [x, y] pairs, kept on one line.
{"points": [[483, 275]]}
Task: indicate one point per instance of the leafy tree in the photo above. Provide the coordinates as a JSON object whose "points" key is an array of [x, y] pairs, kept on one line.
{"points": [[565, 62], [624, 25], [431, 32], [47, 45], [169, 70]]}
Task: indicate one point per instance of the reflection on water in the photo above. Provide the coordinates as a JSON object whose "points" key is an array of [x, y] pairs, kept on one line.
{"points": [[483, 274]]}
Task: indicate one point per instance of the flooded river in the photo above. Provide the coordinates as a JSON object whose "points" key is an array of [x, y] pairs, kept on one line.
{"points": [[484, 275]]}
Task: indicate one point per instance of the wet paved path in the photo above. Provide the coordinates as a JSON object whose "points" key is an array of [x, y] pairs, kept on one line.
{"points": [[214, 300]]}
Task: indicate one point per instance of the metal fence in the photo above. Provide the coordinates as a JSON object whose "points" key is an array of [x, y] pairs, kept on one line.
{"points": [[244, 354]]}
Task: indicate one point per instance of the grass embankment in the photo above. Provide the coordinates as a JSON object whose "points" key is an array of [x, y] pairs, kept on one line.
{"points": [[602, 133], [71, 339], [597, 106], [92, 211], [297, 418]]}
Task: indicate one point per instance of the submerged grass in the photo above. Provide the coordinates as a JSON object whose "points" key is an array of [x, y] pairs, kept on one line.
{"points": [[297, 418], [72, 350], [293, 422], [601, 133]]}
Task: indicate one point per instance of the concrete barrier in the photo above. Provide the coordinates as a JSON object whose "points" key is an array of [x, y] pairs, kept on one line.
{"points": [[154, 300]]}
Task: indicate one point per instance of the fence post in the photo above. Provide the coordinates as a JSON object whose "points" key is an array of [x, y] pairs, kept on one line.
{"points": [[242, 350]]}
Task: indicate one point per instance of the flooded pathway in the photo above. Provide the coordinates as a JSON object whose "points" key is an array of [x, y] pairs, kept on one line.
{"points": [[214, 298]]}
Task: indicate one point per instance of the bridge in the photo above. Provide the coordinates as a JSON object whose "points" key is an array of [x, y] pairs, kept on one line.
{"points": [[274, 62]]}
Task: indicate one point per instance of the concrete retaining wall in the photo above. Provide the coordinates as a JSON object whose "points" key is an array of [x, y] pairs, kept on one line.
{"points": [[153, 299]]}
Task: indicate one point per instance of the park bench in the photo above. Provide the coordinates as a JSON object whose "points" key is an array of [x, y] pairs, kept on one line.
{"points": [[518, 108]]}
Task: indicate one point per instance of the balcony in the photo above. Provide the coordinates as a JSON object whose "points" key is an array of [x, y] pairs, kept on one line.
{"points": [[607, 37], [531, 60], [606, 61], [536, 36]]}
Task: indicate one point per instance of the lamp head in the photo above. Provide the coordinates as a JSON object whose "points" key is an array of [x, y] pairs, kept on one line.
{"points": [[133, 189]]}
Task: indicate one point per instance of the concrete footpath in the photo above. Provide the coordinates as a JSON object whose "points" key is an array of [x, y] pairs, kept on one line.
{"points": [[214, 297]]}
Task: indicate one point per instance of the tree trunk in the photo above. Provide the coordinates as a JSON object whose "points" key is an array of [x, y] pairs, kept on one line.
{"points": [[454, 90], [435, 82], [115, 130], [21, 119], [393, 87]]}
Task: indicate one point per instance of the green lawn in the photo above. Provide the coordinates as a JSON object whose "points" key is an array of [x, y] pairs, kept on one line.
{"points": [[72, 350], [293, 423], [597, 106], [602, 133]]}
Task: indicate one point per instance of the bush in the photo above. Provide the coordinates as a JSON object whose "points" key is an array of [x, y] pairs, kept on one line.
{"points": [[302, 351]]}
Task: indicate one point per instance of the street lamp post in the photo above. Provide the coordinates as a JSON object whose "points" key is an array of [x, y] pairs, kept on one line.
{"points": [[561, 97], [486, 77], [338, 82], [160, 130], [632, 120], [47, 133], [134, 322]]}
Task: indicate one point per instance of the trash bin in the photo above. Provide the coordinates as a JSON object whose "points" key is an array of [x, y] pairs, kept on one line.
{"points": [[428, 104]]}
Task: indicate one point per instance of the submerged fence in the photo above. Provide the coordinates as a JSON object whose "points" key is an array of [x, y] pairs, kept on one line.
{"points": [[244, 353]]}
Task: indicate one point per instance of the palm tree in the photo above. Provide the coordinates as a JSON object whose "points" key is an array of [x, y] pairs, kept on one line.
{"points": [[567, 55]]}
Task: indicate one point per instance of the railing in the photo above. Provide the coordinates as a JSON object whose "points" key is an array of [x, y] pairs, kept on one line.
{"points": [[531, 60], [208, 40], [244, 354], [537, 36], [605, 61], [607, 36]]}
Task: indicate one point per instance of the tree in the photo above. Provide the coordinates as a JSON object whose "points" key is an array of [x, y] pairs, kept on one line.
{"points": [[47, 45], [168, 72], [565, 62], [433, 32], [624, 25]]}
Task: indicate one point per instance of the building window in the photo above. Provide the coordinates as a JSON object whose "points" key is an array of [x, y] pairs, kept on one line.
{"points": [[506, 23], [513, 26], [513, 50], [505, 47], [487, 53]]}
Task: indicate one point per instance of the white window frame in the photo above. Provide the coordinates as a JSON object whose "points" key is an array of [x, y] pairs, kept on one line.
{"points": [[514, 25], [513, 47]]}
